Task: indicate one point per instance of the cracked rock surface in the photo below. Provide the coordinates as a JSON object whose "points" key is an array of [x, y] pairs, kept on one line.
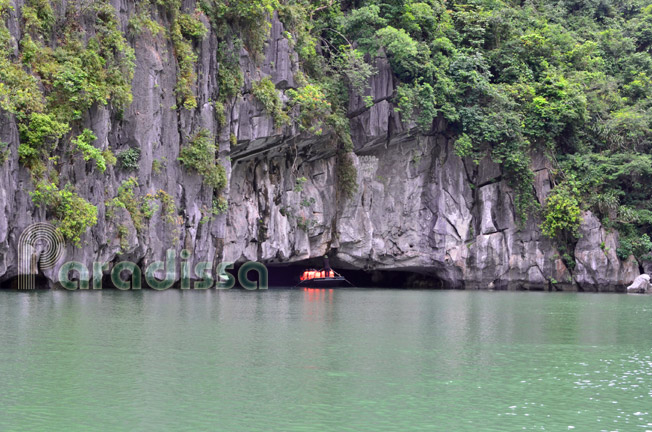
{"points": [[418, 206]]}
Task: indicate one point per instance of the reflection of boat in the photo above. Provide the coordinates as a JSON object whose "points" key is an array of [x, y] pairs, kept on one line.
{"points": [[322, 279]]}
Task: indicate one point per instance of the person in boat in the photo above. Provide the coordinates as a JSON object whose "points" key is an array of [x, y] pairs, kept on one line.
{"points": [[325, 272], [327, 264]]}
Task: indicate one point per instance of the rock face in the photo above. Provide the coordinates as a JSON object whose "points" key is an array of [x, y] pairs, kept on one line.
{"points": [[600, 266], [641, 285], [418, 206]]}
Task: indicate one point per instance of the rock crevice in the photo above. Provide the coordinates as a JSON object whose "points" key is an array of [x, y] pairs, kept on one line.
{"points": [[418, 205]]}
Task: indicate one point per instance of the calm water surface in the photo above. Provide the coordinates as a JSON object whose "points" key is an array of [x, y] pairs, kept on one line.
{"points": [[343, 360]]}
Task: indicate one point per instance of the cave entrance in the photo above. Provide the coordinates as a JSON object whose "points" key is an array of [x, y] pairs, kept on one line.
{"points": [[40, 283], [287, 275]]}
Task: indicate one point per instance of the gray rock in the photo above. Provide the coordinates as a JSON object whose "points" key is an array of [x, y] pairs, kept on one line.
{"points": [[488, 170], [598, 266], [418, 206], [647, 266], [641, 285]]}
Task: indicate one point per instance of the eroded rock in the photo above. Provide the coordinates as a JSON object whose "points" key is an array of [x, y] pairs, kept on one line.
{"points": [[641, 285], [418, 206]]}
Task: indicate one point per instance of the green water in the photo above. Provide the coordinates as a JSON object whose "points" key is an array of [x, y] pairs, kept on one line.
{"points": [[343, 360]]}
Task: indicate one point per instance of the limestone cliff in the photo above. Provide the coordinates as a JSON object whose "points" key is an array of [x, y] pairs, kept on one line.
{"points": [[418, 206]]}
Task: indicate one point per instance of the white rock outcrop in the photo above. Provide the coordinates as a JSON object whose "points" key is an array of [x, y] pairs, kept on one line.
{"points": [[641, 285]]}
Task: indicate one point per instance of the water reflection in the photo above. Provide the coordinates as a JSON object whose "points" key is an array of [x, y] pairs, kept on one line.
{"points": [[324, 360]]}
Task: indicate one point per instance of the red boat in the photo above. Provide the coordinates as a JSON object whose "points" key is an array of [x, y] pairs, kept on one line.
{"points": [[322, 279]]}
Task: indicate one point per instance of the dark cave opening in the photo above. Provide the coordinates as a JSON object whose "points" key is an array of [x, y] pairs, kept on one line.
{"points": [[40, 283], [287, 275]]}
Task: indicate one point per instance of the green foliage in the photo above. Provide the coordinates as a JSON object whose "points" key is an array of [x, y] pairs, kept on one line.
{"points": [[298, 184], [19, 90], [320, 100], [572, 79], [123, 236], [82, 74], [295, 16], [361, 25], [42, 130], [463, 146], [562, 212], [229, 76], [186, 59], [617, 186], [352, 65], [149, 206], [248, 17], [304, 223], [631, 243], [84, 144], [417, 101], [143, 208], [62, 69], [237, 24], [128, 199], [307, 202], [340, 125], [4, 152], [265, 92], [569, 260], [220, 114], [109, 60], [191, 26], [109, 157], [142, 20], [38, 16], [158, 166], [39, 136], [168, 208], [313, 106], [129, 159], [184, 29], [73, 215], [230, 80], [199, 156], [516, 161], [404, 53], [220, 206]]}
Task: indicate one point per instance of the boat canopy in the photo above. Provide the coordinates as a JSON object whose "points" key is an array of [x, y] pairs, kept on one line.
{"points": [[317, 274]]}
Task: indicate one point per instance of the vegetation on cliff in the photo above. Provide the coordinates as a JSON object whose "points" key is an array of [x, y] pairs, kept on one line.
{"points": [[199, 156], [60, 72], [570, 78]]}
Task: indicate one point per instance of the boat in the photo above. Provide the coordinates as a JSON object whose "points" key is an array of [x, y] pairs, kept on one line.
{"points": [[322, 279]]}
